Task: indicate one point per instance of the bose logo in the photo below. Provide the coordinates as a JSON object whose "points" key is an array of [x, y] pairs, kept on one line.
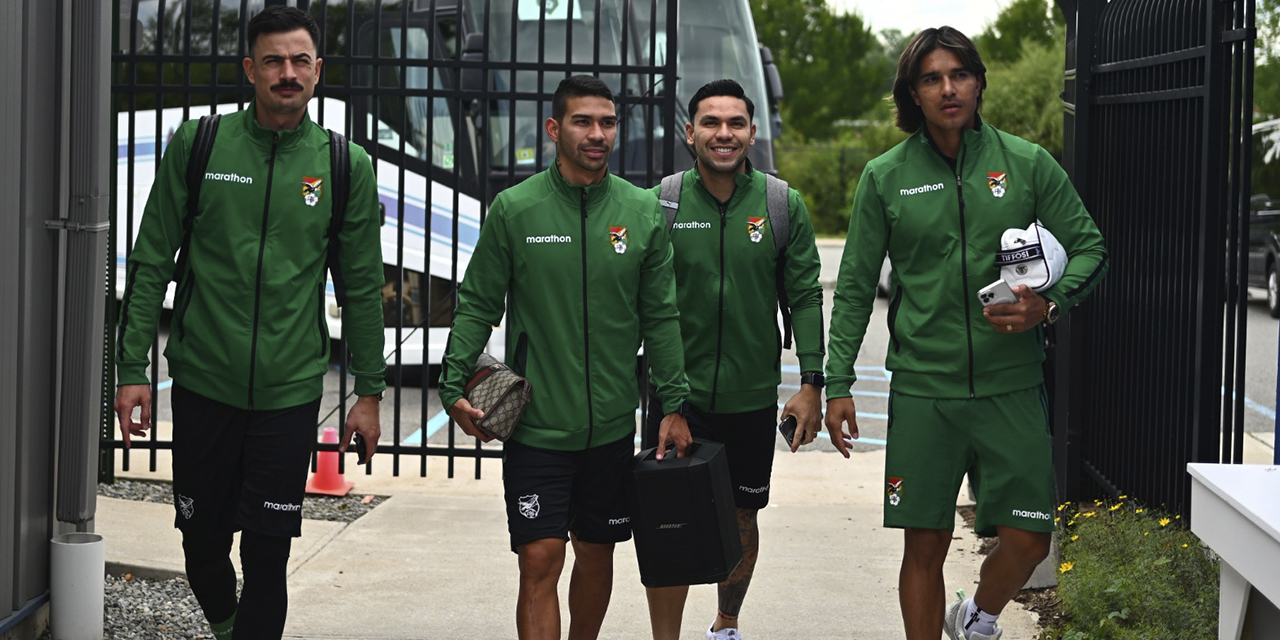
{"points": [[547, 239], [754, 490], [1035, 515], [614, 521], [691, 225], [228, 177], [276, 506], [923, 189], [673, 525]]}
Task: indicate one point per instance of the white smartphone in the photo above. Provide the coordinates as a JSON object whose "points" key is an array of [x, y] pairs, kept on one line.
{"points": [[997, 292]]}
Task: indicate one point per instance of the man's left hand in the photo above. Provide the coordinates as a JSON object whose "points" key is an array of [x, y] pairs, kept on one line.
{"points": [[363, 418], [806, 406], [1024, 314], [675, 430]]}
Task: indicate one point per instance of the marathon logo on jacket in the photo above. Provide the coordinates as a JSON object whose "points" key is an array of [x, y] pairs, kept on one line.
{"points": [[618, 238], [548, 239], [691, 225], [996, 182], [228, 177], [925, 188], [894, 490], [755, 228], [311, 190]]}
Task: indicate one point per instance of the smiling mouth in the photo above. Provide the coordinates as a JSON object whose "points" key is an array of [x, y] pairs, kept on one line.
{"points": [[724, 150]]}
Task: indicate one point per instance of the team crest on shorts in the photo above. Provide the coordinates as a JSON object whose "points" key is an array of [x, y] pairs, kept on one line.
{"points": [[312, 190], [996, 182], [529, 506], [755, 228], [894, 489], [618, 238], [187, 506]]}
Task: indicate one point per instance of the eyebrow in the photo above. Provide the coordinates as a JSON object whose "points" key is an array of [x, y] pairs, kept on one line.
{"points": [[297, 56]]}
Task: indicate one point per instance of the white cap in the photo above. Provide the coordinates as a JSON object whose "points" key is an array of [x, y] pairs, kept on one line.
{"points": [[1031, 256]]}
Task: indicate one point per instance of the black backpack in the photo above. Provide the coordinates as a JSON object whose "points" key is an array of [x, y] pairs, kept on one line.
{"points": [[339, 189]]}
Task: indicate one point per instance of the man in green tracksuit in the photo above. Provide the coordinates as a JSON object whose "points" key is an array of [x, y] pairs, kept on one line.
{"points": [[248, 345], [727, 281], [967, 393], [586, 263]]}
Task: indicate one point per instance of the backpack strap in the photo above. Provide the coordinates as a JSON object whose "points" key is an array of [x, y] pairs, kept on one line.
{"points": [[669, 196], [779, 209], [201, 149], [340, 192]]}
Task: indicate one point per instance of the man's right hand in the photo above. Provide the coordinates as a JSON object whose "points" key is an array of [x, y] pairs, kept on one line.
{"points": [[840, 411], [464, 414], [129, 396]]}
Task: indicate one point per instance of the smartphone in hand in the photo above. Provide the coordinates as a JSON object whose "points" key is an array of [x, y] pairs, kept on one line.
{"points": [[788, 429], [358, 446], [997, 292]]}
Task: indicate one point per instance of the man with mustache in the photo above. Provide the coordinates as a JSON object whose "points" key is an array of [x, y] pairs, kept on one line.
{"points": [[721, 234], [579, 261], [248, 346], [967, 393]]}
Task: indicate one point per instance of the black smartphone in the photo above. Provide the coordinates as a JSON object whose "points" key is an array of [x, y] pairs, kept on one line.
{"points": [[788, 429], [358, 446]]}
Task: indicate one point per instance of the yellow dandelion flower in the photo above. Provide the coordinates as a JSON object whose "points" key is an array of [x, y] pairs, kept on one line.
{"points": [[1184, 545], [1114, 507], [1177, 517], [1138, 511], [1062, 506], [1066, 566], [1090, 514], [1071, 523], [1123, 497], [1074, 538], [1165, 522], [1146, 533], [1098, 502]]}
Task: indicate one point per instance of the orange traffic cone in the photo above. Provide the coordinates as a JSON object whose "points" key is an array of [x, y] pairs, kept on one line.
{"points": [[326, 479]]}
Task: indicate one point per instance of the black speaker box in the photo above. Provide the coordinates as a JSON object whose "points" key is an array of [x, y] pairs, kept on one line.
{"points": [[683, 517]]}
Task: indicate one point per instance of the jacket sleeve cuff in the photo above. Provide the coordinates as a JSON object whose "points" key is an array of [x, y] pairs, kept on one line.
{"points": [[810, 362], [370, 385], [131, 374], [449, 398]]}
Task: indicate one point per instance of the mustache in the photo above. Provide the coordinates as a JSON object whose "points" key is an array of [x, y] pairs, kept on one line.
{"points": [[287, 85]]}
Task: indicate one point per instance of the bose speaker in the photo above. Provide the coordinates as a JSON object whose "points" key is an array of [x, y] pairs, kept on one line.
{"points": [[683, 517]]}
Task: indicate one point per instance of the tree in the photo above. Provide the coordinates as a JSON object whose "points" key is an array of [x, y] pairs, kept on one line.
{"points": [[823, 61], [1266, 75], [1023, 97], [1022, 21]]}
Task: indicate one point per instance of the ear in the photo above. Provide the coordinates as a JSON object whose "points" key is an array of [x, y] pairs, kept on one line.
{"points": [[688, 133], [247, 63], [553, 129], [316, 76], [915, 97], [752, 140]]}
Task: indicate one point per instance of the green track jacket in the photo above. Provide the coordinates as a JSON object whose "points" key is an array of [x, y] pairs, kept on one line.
{"points": [[248, 326], [726, 286], [588, 272], [941, 229]]}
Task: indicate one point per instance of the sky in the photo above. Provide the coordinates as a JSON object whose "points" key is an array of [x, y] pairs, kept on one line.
{"points": [[909, 16]]}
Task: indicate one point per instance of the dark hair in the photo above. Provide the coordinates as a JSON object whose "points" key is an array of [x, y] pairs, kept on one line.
{"points": [[279, 19], [723, 87], [577, 87], [908, 115]]}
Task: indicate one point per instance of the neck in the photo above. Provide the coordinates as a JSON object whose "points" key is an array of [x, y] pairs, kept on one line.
{"points": [[579, 177], [277, 121], [719, 184], [947, 141]]}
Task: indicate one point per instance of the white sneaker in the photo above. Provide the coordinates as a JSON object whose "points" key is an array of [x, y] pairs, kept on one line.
{"points": [[953, 623], [728, 633]]}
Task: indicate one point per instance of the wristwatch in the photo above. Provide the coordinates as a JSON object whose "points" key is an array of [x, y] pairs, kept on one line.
{"points": [[1051, 312], [379, 396], [814, 378]]}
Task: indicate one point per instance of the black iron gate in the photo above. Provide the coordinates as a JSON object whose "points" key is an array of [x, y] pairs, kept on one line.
{"points": [[447, 96], [1159, 96]]}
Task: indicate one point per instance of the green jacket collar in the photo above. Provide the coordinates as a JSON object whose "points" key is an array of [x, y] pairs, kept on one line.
{"points": [[972, 138], [741, 182], [596, 193], [288, 138]]}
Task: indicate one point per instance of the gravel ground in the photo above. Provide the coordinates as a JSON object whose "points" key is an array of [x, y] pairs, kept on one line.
{"points": [[141, 609], [334, 509]]}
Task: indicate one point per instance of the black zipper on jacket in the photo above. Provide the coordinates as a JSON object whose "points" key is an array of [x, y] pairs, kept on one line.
{"points": [[586, 330], [262, 249], [964, 273], [715, 377]]}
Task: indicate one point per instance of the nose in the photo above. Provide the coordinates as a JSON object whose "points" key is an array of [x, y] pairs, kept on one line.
{"points": [[596, 132]]}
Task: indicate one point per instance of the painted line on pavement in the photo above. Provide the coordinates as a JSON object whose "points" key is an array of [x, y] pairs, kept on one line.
{"points": [[433, 425]]}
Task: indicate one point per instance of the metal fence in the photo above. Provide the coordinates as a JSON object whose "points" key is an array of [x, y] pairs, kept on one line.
{"points": [[1159, 96], [447, 96]]}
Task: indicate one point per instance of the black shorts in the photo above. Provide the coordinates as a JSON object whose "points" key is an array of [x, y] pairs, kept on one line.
{"points": [[749, 442], [550, 493], [235, 469]]}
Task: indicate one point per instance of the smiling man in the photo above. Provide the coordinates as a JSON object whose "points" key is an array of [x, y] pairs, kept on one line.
{"points": [[247, 346], [731, 277], [967, 393], [578, 260]]}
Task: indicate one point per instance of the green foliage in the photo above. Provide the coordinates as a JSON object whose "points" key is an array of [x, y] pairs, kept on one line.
{"points": [[1023, 21], [823, 61], [1130, 573], [1266, 74], [1024, 97]]}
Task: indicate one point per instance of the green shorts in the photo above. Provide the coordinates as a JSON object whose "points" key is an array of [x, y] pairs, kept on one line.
{"points": [[1003, 443]]}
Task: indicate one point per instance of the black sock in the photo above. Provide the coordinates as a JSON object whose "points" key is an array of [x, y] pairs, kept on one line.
{"points": [[210, 573], [264, 600]]}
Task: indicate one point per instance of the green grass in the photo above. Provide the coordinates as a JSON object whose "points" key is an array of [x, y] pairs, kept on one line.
{"points": [[1131, 573]]}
